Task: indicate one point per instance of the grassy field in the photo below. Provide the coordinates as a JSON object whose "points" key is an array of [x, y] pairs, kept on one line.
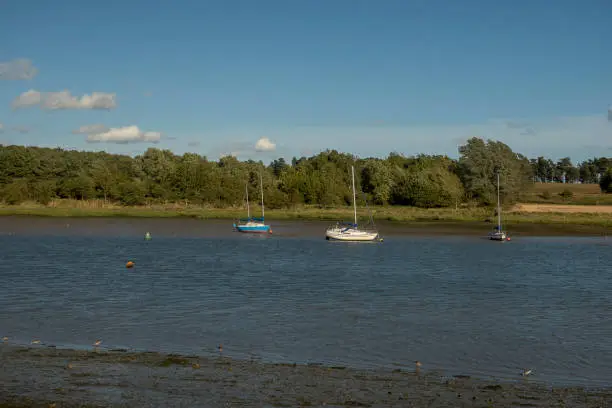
{"points": [[575, 194], [526, 213]]}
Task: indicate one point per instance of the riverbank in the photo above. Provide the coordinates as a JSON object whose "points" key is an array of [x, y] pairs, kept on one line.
{"points": [[172, 227], [41, 377], [598, 216]]}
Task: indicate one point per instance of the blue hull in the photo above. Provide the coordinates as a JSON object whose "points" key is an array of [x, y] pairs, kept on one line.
{"points": [[260, 229]]}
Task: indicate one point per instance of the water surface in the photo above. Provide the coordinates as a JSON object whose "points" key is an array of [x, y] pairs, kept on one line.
{"points": [[460, 303]]}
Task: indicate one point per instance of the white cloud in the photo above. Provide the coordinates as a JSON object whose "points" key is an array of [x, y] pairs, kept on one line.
{"points": [[1, 127], [17, 69], [193, 144], [124, 135], [89, 129], [28, 98], [265, 145], [610, 114], [64, 100]]}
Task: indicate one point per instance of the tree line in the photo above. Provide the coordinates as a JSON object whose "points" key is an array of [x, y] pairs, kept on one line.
{"points": [[427, 181]]}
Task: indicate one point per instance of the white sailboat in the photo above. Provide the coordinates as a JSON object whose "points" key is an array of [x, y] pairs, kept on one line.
{"points": [[348, 231], [498, 234]]}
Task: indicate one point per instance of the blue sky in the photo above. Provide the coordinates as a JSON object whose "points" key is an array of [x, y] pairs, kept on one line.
{"points": [[365, 77]]}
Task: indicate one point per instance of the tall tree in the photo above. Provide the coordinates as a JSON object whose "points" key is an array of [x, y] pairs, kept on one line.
{"points": [[479, 164]]}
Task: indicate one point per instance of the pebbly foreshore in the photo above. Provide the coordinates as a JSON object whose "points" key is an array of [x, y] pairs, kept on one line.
{"points": [[50, 377]]}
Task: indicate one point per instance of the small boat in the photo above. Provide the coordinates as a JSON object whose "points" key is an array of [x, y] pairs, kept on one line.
{"points": [[253, 224], [498, 234], [342, 231], [349, 232]]}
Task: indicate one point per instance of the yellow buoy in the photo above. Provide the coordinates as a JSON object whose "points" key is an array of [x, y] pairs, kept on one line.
{"points": [[130, 264]]}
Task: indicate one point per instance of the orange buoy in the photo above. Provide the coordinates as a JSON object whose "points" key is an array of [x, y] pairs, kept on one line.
{"points": [[130, 264]]}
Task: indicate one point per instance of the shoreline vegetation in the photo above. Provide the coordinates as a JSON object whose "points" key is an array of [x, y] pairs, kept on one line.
{"points": [[559, 216], [119, 378], [399, 187], [424, 191]]}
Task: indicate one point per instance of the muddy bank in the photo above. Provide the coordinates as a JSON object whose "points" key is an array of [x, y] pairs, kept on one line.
{"points": [[188, 227], [41, 377]]}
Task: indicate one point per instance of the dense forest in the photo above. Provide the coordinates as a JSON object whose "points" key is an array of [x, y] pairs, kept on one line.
{"points": [[44, 174]]}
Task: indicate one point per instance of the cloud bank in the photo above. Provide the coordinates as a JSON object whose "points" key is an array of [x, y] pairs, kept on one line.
{"points": [[119, 135], [64, 100], [18, 69]]}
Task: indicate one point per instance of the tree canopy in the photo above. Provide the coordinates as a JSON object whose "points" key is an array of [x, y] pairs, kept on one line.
{"points": [[44, 174]]}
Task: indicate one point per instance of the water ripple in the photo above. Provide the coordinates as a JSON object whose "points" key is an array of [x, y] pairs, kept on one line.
{"points": [[465, 305]]}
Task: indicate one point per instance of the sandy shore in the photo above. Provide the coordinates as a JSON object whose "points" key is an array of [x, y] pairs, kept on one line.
{"points": [[49, 377], [560, 208]]}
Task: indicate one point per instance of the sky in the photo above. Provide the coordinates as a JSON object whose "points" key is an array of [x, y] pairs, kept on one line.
{"points": [[276, 78]]}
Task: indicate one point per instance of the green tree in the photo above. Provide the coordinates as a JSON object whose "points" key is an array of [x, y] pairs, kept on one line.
{"points": [[478, 166], [428, 183], [132, 193], [104, 179], [16, 191], [377, 180], [605, 182], [43, 174]]}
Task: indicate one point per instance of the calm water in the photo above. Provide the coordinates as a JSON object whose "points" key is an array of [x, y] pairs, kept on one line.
{"points": [[461, 304]]}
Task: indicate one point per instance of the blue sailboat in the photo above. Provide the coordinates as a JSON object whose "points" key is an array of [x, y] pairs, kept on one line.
{"points": [[253, 224]]}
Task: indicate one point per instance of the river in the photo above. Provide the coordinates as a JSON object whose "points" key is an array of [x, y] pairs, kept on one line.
{"points": [[457, 303]]}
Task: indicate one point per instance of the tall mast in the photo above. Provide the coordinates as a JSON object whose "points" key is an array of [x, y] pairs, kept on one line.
{"points": [[246, 188], [354, 197], [262, 203], [498, 205]]}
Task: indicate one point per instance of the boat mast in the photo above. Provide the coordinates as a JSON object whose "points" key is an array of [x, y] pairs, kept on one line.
{"points": [[498, 205], [262, 203], [354, 196], [246, 188]]}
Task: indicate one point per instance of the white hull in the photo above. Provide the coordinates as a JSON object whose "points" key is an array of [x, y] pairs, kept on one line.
{"points": [[497, 236], [345, 232], [338, 234]]}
